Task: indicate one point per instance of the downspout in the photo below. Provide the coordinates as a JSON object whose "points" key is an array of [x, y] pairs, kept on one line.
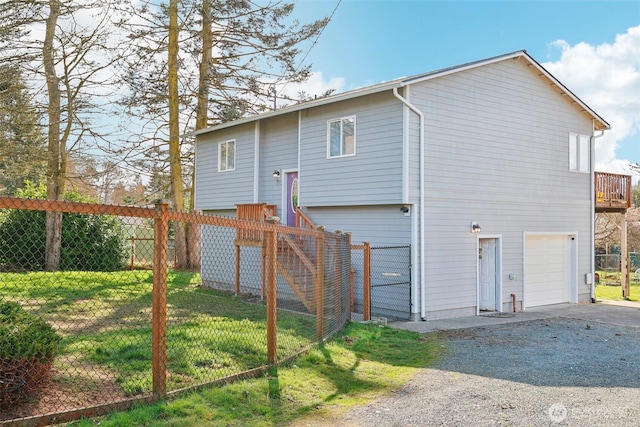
{"points": [[593, 216], [421, 232], [300, 183], [256, 162]]}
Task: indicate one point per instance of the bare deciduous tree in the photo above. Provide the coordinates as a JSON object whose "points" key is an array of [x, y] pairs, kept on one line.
{"points": [[607, 230], [65, 46]]}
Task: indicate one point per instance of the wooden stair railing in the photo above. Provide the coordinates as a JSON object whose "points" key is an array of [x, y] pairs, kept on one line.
{"points": [[299, 258], [301, 261], [299, 270], [297, 261], [303, 221]]}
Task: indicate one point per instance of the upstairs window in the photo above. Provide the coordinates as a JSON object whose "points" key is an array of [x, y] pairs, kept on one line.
{"points": [[579, 153], [227, 156], [341, 137]]}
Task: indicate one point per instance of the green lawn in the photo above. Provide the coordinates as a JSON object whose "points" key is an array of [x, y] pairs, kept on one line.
{"points": [[609, 287], [105, 321], [614, 293], [362, 362]]}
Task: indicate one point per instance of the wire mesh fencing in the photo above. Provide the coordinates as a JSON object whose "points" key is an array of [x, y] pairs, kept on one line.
{"points": [[308, 271], [84, 331], [391, 282], [381, 281], [607, 262]]}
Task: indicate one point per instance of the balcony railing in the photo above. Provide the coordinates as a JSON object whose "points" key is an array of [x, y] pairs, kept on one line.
{"points": [[612, 192]]}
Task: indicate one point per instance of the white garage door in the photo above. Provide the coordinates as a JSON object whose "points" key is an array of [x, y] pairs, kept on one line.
{"points": [[547, 270]]}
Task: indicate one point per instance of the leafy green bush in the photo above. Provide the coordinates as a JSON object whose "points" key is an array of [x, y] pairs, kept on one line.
{"points": [[22, 240], [89, 242], [25, 336], [28, 346], [92, 243]]}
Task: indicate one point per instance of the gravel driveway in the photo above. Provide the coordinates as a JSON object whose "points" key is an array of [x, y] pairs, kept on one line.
{"points": [[570, 371]]}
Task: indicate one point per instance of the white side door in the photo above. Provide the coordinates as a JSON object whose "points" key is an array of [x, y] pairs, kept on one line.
{"points": [[487, 273]]}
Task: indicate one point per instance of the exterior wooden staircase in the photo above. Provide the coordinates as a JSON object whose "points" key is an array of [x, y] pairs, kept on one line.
{"points": [[300, 271], [299, 257]]}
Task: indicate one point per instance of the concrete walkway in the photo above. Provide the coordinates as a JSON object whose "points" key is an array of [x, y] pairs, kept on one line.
{"points": [[623, 313]]}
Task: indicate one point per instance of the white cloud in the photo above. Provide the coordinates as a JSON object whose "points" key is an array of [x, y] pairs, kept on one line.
{"points": [[316, 85], [607, 78]]}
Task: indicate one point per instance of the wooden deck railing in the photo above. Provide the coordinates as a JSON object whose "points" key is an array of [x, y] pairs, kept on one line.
{"points": [[257, 212], [612, 192]]}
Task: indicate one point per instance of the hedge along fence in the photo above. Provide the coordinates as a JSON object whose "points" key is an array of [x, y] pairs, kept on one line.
{"points": [[133, 335]]}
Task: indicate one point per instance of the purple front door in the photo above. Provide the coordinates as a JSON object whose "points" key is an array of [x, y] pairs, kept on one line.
{"points": [[292, 198]]}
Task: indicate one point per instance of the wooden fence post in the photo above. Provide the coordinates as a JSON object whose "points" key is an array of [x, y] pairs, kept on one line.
{"points": [[352, 287], [159, 304], [133, 251], [318, 287], [271, 244], [366, 309], [237, 269], [624, 258]]}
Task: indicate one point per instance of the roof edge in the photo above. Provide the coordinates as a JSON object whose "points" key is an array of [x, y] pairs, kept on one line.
{"points": [[463, 67], [381, 87], [604, 125], [368, 90], [514, 55]]}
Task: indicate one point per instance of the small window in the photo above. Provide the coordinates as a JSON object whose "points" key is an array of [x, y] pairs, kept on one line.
{"points": [[227, 156], [579, 153], [341, 137]]}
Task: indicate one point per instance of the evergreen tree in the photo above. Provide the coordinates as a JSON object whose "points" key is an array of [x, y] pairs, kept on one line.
{"points": [[200, 62], [22, 144]]}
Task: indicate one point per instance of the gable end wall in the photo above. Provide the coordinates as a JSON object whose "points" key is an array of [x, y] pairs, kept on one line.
{"points": [[497, 154]]}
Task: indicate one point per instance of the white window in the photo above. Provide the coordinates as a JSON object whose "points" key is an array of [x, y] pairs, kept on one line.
{"points": [[341, 137], [227, 156], [579, 153]]}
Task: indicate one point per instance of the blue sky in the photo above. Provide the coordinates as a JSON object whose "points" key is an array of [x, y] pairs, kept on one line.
{"points": [[593, 47]]}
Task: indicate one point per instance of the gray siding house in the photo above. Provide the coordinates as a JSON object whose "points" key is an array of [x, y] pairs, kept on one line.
{"points": [[485, 170]]}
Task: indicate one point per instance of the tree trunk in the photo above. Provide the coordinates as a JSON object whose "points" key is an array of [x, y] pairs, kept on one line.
{"points": [[193, 230], [193, 246], [55, 178], [175, 166], [205, 63]]}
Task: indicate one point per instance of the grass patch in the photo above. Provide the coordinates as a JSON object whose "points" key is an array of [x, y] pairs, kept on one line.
{"points": [[614, 293], [609, 287], [362, 362], [105, 322]]}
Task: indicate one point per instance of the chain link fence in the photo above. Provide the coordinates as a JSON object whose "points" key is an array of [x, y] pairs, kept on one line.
{"points": [[608, 262], [381, 281], [84, 331], [391, 282], [609, 268]]}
